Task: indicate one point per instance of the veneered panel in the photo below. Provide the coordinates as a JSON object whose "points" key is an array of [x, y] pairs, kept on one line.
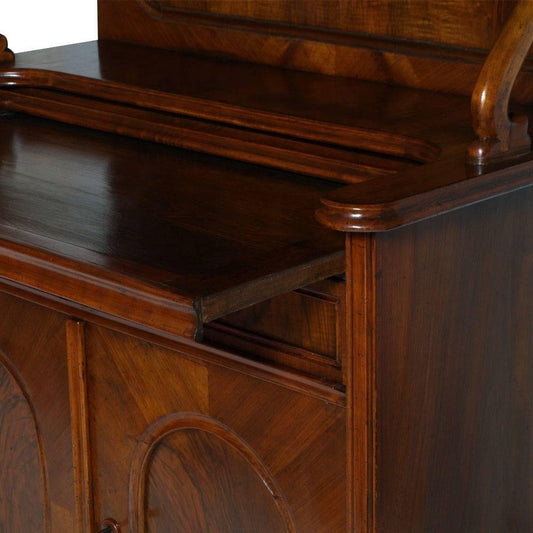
{"points": [[425, 44], [22, 480], [246, 433], [418, 20], [36, 466], [201, 480], [454, 371]]}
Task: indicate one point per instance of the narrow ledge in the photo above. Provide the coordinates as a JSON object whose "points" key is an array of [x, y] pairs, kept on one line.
{"points": [[419, 193]]}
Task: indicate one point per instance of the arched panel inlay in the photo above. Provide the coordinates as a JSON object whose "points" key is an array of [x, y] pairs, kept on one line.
{"points": [[192, 474], [23, 487]]}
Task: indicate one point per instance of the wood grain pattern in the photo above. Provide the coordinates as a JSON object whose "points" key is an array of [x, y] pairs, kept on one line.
{"points": [[360, 371], [499, 134], [293, 155], [80, 424], [238, 362], [300, 442], [145, 243], [421, 20], [192, 470], [24, 500], [454, 371], [39, 467], [306, 47], [303, 330], [117, 244], [421, 193], [131, 385], [317, 108]]}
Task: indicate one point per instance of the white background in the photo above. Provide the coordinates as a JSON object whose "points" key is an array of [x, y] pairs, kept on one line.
{"points": [[34, 24]]}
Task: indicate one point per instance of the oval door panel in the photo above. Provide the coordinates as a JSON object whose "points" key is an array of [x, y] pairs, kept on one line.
{"points": [[22, 480], [203, 479]]}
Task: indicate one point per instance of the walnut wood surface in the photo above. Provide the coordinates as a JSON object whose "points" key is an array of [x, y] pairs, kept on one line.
{"points": [[125, 417], [302, 330], [194, 471], [343, 112], [453, 371], [287, 449], [387, 60], [38, 486], [422, 192], [23, 483], [312, 159], [419, 20], [500, 135], [458, 22], [6, 55], [359, 368], [141, 223], [402, 60], [301, 383], [79, 415]]}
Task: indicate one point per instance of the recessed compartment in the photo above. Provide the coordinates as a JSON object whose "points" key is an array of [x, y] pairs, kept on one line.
{"points": [[301, 329]]}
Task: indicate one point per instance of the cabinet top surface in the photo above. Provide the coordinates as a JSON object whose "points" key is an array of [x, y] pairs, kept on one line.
{"points": [[214, 231]]}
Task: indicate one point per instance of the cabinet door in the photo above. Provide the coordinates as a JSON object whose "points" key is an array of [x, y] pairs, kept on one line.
{"points": [[36, 468], [185, 446]]}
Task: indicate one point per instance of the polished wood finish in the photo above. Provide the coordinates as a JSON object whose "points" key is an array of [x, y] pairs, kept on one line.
{"points": [[38, 489], [421, 20], [302, 330], [6, 55], [123, 241], [336, 164], [79, 415], [23, 483], [422, 192], [208, 409], [341, 112], [499, 135], [361, 463], [460, 23], [453, 371], [184, 346]]}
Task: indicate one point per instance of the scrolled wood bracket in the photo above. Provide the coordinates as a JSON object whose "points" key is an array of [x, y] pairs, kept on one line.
{"points": [[6, 55], [499, 134]]}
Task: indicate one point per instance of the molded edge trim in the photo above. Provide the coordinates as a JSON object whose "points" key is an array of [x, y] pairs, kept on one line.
{"points": [[112, 294], [420, 193], [393, 144], [186, 348], [174, 422]]}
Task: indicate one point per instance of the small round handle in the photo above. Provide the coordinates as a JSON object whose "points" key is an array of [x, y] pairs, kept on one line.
{"points": [[110, 526]]}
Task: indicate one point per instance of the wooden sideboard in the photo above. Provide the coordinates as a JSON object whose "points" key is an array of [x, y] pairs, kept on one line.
{"points": [[268, 267]]}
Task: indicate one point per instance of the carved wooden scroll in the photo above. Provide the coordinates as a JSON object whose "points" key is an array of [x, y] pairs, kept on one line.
{"points": [[6, 55], [499, 134]]}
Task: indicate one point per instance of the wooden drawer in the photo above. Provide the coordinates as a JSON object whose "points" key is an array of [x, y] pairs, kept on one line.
{"points": [[300, 329]]}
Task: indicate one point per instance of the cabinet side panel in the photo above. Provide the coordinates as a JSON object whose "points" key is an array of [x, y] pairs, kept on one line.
{"points": [[454, 316]]}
